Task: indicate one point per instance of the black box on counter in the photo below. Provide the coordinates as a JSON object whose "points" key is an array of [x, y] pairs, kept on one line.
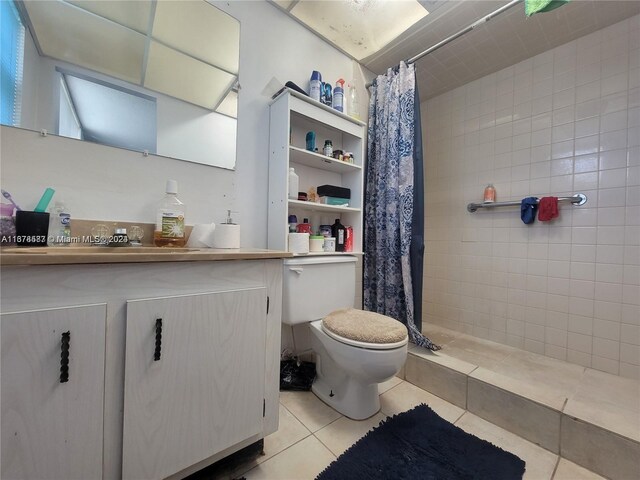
{"points": [[333, 191]]}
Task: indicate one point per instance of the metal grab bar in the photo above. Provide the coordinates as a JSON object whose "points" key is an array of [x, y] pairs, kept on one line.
{"points": [[577, 199]]}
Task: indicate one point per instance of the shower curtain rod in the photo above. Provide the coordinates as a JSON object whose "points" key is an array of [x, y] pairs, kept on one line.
{"points": [[462, 32]]}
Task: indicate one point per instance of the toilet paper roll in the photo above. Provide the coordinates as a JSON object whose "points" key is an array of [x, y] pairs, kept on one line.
{"points": [[299, 242], [227, 235], [202, 236]]}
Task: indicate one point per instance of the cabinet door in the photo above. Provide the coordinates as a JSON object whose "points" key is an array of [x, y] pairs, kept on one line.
{"points": [[194, 378], [52, 428]]}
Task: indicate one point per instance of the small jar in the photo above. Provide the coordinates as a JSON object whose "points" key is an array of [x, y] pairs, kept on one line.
{"points": [[329, 244], [316, 243], [489, 194], [328, 148]]}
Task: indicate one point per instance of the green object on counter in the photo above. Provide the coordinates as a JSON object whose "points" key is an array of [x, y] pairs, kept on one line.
{"points": [[44, 200], [539, 6]]}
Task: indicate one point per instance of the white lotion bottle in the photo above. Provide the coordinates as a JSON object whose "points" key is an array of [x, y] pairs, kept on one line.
{"points": [[293, 184]]}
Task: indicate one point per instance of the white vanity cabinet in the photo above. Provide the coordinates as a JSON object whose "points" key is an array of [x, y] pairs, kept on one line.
{"points": [[213, 390], [52, 413], [194, 378]]}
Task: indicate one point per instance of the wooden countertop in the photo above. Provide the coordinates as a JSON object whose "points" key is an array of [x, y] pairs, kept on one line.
{"points": [[89, 255]]}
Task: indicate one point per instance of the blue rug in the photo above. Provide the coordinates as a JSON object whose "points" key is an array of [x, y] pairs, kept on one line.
{"points": [[418, 444]]}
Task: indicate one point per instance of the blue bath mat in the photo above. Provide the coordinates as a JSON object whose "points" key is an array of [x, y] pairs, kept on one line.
{"points": [[418, 444]]}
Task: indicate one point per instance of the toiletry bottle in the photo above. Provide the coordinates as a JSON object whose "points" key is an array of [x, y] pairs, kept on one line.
{"points": [[328, 148], [325, 94], [293, 184], [59, 225], [293, 223], [489, 194], [352, 102], [304, 227], [339, 232], [315, 84], [338, 95], [170, 230]]}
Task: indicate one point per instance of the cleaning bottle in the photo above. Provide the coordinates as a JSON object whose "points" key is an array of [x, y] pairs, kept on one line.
{"points": [[315, 84], [59, 225], [352, 102], [339, 233], [293, 184], [170, 230], [338, 95]]}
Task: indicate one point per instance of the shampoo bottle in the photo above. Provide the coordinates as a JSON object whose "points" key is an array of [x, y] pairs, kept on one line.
{"points": [[315, 84], [338, 96], [170, 231]]}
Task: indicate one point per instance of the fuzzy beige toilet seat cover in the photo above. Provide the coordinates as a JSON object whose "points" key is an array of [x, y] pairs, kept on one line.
{"points": [[368, 327]]}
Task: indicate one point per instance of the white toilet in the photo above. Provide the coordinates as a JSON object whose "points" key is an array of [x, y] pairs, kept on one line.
{"points": [[355, 350]]}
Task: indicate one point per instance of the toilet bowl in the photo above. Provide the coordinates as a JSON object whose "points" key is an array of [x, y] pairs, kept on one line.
{"points": [[349, 365], [348, 372]]}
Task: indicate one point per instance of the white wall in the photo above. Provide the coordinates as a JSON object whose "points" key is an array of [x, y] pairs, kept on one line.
{"points": [[100, 182], [565, 121]]}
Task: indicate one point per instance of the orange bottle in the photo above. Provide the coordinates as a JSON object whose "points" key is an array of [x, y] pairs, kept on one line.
{"points": [[489, 194]]}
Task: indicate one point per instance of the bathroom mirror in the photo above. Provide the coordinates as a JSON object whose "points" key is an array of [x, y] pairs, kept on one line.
{"points": [[154, 76]]}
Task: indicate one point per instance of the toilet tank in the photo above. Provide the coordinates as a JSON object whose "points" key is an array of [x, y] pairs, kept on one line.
{"points": [[316, 286]]}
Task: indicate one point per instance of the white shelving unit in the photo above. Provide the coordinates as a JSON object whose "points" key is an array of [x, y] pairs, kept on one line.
{"points": [[292, 115]]}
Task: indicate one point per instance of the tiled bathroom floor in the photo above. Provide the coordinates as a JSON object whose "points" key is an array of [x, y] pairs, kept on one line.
{"points": [[312, 435]]}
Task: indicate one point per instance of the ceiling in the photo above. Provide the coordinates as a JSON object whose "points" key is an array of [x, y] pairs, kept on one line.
{"points": [[503, 41]]}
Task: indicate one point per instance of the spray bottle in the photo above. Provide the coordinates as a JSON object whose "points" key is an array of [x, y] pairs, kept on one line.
{"points": [[338, 96]]}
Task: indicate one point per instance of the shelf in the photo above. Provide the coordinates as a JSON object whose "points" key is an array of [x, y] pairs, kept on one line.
{"points": [[320, 207], [326, 254], [317, 104], [317, 160]]}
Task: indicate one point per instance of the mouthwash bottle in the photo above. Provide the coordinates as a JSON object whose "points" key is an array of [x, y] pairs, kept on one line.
{"points": [[170, 231]]}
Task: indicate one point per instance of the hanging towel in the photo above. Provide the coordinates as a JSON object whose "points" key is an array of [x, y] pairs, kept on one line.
{"points": [[528, 209], [547, 208], [539, 6]]}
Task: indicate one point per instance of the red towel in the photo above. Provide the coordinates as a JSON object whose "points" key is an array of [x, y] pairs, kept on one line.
{"points": [[547, 208]]}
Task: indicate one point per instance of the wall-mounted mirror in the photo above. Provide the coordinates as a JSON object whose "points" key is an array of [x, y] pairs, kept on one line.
{"points": [[156, 76]]}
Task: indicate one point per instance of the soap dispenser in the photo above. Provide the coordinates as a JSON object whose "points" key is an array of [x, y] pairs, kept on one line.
{"points": [[227, 234]]}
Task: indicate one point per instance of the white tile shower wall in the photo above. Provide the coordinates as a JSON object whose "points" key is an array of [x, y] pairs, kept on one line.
{"points": [[562, 122]]}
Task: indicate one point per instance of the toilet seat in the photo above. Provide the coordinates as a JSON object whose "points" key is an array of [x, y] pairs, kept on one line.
{"points": [[363, 329]]}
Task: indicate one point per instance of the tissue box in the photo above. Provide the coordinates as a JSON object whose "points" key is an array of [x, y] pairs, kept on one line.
{"points": [[333, 191]]}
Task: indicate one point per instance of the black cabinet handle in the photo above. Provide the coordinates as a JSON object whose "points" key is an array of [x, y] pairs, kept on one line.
{"points": [[157, 352], [65, 342]]}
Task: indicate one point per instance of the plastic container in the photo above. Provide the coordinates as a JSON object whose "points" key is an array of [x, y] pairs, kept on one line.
{"points": [[338, 96], [315, 85], [348, 243], [316, 243], [293, 223], [325, 230], [328, 148], [352, 101], [339, 232], [304, 227], [489, 194], [170, 231], [7, 225], [329, 244], [59, 225], [294, 182]]}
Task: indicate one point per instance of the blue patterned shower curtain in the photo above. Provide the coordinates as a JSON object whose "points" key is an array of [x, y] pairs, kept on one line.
{"points": [[389, 201]]}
